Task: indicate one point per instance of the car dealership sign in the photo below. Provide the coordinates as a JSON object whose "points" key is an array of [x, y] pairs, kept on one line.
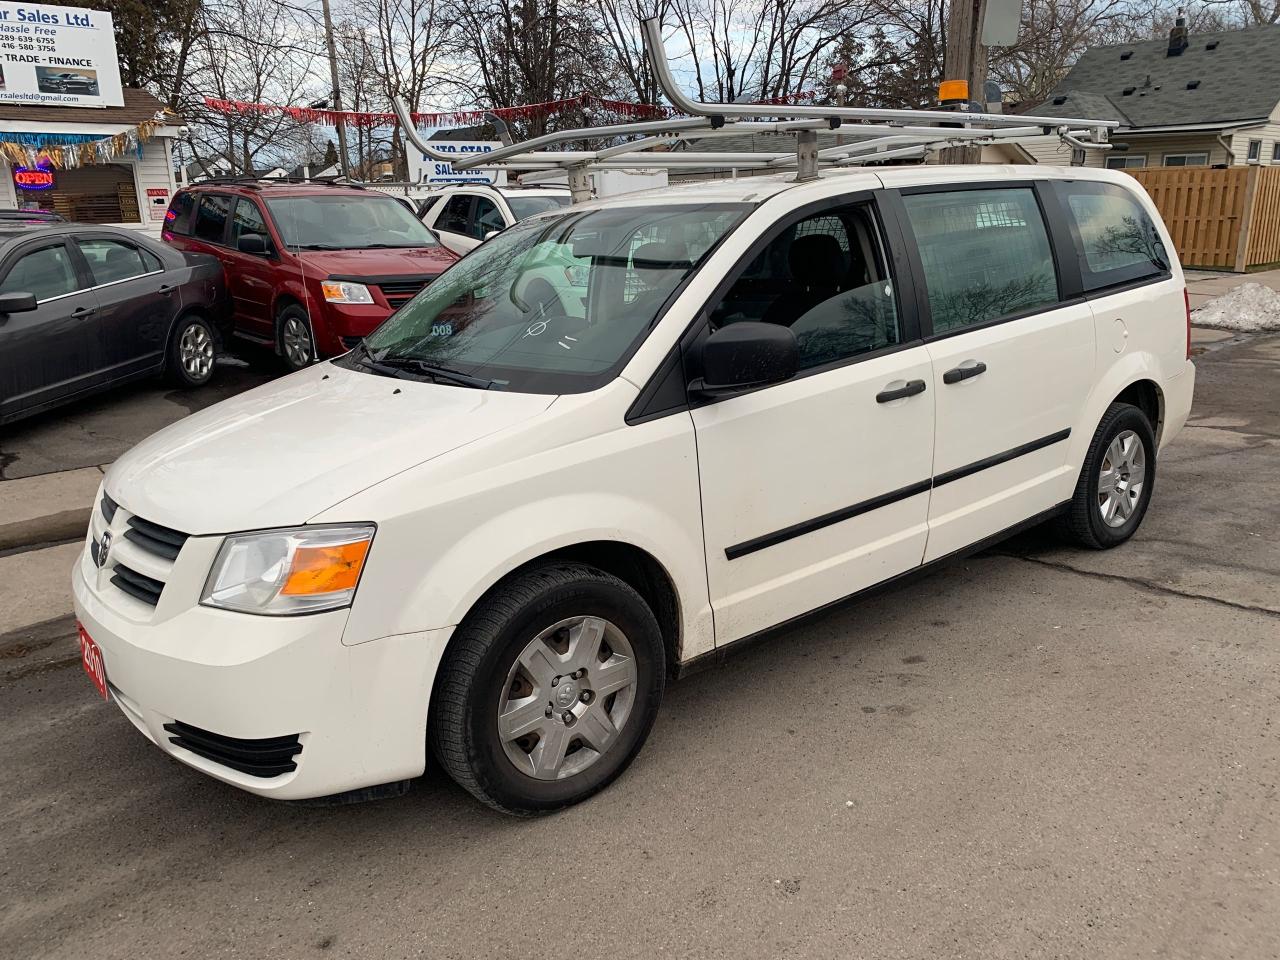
{"points": [[423, 169], [58, 56]]}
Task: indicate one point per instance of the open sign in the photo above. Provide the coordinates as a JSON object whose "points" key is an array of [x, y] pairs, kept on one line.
{"points": [[39, 178]]}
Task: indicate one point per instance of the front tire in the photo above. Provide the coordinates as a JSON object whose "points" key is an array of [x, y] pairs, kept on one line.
{"points": [[191, 353], [1116, 481], [549, 689], [294, 341]]}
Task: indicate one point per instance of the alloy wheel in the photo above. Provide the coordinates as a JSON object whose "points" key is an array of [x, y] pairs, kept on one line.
{"points": [[567, 697], [296, 342], [1121, 478], [195, 352]]}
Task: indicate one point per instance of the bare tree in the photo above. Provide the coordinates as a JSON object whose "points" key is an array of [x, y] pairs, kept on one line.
{"points": [[259, 51], [515, 52], [619, 23], [1051, 36], [408, 37]]}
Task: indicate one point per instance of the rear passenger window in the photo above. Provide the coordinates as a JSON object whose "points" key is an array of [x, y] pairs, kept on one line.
{"points": [[211, 217], [1115, 240], [178, 219], [111, 260], [825, 278], [985, 254]]}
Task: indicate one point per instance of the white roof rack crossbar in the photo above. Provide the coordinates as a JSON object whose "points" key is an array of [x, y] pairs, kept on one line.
{"points": [[873, 134]]}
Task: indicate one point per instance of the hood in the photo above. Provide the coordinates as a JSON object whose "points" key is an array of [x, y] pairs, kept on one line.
{"points": [[278, 455], [410, 261]]}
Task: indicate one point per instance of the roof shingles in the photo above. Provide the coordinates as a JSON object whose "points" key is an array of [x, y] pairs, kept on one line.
{"points": [[1238, 80]]}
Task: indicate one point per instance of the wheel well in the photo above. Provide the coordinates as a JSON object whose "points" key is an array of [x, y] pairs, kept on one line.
{"points": [[285, 300], [1146, 396], [634, 567]]}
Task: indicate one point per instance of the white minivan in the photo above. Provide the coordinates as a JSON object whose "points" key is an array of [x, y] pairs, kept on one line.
{"points": [[497, 527]]}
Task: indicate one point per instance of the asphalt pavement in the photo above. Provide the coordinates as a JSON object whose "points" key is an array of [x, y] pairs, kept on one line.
{"points": [[1037, 752]]}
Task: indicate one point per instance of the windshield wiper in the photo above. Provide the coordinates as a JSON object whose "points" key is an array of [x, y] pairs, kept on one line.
{"points": [[366, 359], [316, 246], [437, 372]]}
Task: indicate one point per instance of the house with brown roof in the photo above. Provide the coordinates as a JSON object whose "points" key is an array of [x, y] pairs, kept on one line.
{"points": [[131, 189]]}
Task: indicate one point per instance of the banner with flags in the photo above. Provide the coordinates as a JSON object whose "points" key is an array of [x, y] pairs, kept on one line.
{"points": [[69, 150], [464, 118]]}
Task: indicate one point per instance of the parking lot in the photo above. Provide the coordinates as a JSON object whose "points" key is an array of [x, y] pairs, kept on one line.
{"points": [[1037, 752]]}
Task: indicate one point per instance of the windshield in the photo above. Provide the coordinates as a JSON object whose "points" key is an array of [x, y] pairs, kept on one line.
{"points": [[524, 207], [347, 221], [553, 305]]}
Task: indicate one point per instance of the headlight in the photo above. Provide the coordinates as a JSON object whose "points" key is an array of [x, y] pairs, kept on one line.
{"points": [[284, 572], [339, 291]]}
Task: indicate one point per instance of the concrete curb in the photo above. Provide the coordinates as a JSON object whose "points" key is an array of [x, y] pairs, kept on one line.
{"points": [[50, 508]]}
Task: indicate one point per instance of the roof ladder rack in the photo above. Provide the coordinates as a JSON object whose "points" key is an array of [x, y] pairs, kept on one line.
{"points": [[872, 133]]}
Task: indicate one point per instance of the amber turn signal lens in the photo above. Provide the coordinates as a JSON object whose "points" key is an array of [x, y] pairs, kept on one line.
{"points": [[325, 569]]}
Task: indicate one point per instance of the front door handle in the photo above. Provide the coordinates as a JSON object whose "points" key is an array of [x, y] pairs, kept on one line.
{"points": [[84, 312], [908, 389], [970, 368]]}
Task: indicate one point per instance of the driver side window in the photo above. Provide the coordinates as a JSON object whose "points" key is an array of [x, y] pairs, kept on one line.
{"points": [[487, 217], [825, 277], [45, 273], [456, 215]]}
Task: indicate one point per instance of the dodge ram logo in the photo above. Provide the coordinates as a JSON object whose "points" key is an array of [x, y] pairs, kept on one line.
{"points": [[104, 547]]}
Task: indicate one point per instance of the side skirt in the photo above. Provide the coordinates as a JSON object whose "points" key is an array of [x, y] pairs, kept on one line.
{"points": [[717, 656]]}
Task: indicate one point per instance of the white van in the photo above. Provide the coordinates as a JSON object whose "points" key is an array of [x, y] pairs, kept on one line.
{"points": [[498, 526]]}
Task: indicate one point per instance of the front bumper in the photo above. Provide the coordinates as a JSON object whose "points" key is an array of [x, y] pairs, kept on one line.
{"points": [[359, 712], [346, 321]]}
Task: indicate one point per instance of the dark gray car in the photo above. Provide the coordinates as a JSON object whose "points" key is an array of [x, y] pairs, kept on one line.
{"points": [[84, 308]]}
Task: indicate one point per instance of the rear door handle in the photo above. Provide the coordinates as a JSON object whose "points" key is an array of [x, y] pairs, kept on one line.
{"points": [[970, 368], [167, 288], [908, 389]]}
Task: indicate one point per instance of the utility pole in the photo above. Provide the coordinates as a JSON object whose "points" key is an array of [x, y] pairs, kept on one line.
{"points": [[965, 59], [343, 162]]}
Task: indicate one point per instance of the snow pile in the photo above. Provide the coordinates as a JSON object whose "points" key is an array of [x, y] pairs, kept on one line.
{"points": [[1250, 306]]}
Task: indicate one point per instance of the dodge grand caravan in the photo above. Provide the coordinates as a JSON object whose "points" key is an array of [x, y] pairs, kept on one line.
{"points": [[311, 267], [496, 527]]}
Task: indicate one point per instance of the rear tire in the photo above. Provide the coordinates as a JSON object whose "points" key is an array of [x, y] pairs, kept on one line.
{"points": [[1116, 481], [191, 353], [294, 340], [549, 689]]}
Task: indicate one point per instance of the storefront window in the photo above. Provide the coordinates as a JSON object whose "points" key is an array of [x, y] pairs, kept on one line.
{"points": [[97, 193]]}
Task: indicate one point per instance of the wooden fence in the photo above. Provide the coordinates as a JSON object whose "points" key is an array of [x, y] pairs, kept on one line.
{"points": [[1226, 218]]}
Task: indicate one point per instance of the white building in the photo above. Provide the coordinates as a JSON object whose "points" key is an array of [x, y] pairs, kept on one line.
{"points": [[132, 190]]}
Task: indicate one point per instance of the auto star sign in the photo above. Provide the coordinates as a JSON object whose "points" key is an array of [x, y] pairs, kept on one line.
{"points": [[423, 169], [58, 56]]}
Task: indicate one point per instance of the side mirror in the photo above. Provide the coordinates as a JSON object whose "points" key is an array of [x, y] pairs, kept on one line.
{"points": [[489, 235], [16, 303], [254, 243], [745, 355]]}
